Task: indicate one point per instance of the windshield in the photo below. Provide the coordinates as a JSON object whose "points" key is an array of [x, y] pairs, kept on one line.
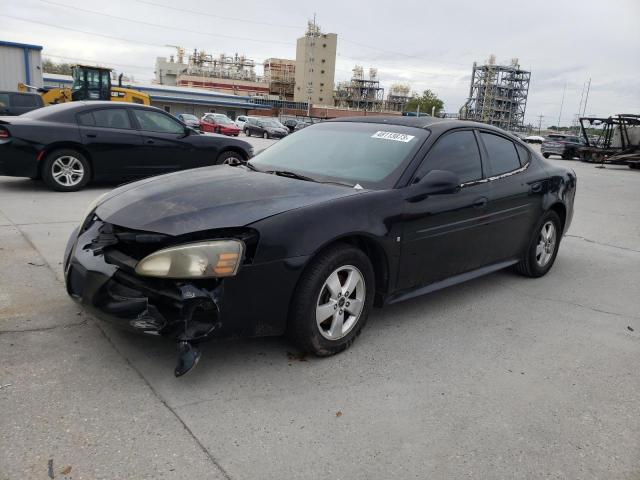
{"points": [[372, 155], [223, 120], [270, 123]]}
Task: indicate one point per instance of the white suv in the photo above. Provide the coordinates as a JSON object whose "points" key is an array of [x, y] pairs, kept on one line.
{"points": [[241, 120]]}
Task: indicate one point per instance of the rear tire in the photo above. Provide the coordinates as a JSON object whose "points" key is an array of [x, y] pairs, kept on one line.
{"points": [[567, 155], [546, 155], [325, 317], [247, 132], [543, 248], [66, 170], [265, 135], [634, 166]]}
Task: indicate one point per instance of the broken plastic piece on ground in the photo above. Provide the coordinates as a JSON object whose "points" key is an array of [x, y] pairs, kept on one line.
{"points": [[188, 356]]}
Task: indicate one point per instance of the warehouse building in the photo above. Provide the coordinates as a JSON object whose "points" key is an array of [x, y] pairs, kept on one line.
{"points": [[21, 63], [176, 100]]}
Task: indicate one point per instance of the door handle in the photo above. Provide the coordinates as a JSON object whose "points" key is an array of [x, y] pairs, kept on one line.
{"points": [[536, 187], [480, 202], [149, 142], [92, 135]]}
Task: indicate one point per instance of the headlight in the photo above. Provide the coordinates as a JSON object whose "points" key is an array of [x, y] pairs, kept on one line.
{"points": [[215, 258], [92, 206]]}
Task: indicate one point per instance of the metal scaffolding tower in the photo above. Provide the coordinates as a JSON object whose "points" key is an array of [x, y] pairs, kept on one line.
{"points": [[498, 94], [397, 97], [360, 93]]}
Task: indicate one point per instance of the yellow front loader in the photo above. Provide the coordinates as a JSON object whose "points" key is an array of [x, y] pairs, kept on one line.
{"points": [[89, 83]]}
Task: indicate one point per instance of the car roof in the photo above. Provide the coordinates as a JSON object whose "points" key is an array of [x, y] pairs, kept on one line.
{"points": [[426, 122], [19, 93]]}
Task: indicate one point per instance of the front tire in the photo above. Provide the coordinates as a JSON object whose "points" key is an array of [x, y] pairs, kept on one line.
{"points": [[247, 132], [543, 247], [66, 170], [546, 155], [265, 135], [332, 301], [230, 158]]}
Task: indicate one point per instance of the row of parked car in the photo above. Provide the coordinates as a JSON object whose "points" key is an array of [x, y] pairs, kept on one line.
{"points": [[251, 126]]}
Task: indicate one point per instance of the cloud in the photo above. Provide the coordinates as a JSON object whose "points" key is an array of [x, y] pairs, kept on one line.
{"points": [[426, 44]]}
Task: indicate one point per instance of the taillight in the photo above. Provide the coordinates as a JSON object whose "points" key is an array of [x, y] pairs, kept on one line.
{"points": [[4, 133]]}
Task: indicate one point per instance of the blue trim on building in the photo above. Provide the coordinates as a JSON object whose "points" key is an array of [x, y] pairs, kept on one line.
{"points": [[20, 45], [159, 98], [27, 66]]}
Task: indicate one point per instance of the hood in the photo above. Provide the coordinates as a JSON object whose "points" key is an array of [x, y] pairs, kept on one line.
{"points": [[210, 198]]}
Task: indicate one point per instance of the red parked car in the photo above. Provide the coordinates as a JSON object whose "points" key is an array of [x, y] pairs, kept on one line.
{"points": [[219, 123]]}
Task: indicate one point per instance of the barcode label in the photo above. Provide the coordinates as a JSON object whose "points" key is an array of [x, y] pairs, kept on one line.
{"points": [[398, 137]]}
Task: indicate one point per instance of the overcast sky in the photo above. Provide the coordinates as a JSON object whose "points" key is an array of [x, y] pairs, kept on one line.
{"points": [[426, 44]]}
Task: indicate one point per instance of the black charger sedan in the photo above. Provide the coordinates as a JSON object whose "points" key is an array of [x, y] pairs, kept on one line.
{"points": [[311, 233], [70, 144]]}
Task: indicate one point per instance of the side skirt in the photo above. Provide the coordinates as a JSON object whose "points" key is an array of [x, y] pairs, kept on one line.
{"points": [[448, 282]]}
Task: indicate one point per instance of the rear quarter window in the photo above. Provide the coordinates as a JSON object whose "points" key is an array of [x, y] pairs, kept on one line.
{"points": [[523, 153], [19, 100], [502, 153]]}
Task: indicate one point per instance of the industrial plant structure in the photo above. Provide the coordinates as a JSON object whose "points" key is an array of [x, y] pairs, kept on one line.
{"points": [[280, 74], [498, 94], [232, 74], [397, 98], [359, 92]]}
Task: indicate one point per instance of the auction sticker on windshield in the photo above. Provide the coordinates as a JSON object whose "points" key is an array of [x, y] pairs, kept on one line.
{"points": [[398, 137]]}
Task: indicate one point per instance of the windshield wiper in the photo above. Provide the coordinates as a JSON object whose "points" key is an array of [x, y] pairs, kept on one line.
{"points": [[297, 176], [250, 166], [288, 174]]}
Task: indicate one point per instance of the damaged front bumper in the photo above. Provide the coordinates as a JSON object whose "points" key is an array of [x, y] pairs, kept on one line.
{"points": [[186, 311], [101, 278]]}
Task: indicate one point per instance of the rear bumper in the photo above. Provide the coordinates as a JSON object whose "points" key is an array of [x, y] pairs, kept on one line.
{"points": [[17, 162], [552, 150], [249, 304]]}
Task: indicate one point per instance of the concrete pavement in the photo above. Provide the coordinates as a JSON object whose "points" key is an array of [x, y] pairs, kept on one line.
{"points": [[501, 377]]}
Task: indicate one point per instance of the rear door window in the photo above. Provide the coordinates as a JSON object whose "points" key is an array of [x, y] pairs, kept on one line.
{"points": [[456, 152], [4, 100], [111, 118], [502, 153], [151, 121]]}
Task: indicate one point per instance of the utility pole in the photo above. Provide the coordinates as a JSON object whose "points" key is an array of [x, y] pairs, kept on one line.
{"points": [[564, 90], [540, 123], [584, 108]]}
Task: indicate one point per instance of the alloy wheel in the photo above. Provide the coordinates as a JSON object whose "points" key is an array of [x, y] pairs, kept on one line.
{"points": [[67, 171], [547, 240], [233, 161], [340, 302]]}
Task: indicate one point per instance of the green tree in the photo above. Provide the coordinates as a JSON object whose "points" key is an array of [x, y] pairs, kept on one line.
{"points": [[49, 66], [426, 101]]}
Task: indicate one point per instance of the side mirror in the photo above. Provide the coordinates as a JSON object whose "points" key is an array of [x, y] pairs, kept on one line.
{"points": [[435, 182]]}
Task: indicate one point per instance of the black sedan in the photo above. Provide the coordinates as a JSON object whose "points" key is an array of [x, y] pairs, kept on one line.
{"points": [[265, 127], [315, 230], [70, 144]]}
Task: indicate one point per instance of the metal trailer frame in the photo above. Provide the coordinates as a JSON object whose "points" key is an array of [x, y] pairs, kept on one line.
{"points": [[603, 152]]}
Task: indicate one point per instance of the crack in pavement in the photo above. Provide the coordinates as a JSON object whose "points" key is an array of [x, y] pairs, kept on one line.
{"points": [[45, 329], [602, 243], [208, 454], [567, 302], [167, 406]]}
